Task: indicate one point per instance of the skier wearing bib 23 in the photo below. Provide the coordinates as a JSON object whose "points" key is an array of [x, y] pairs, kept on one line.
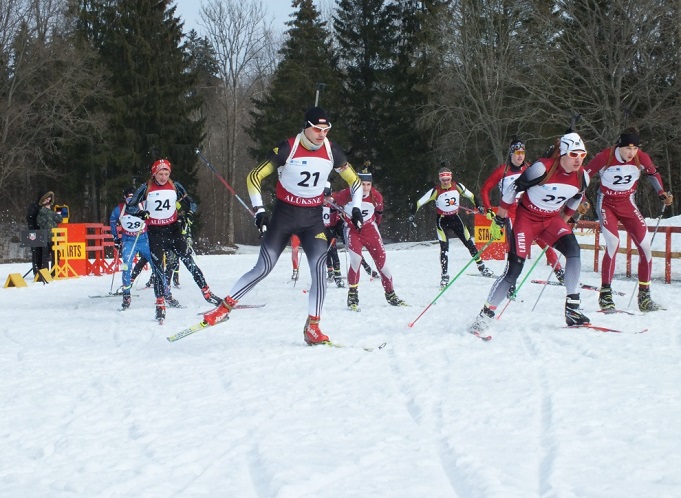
{"points": [[303, 163]]}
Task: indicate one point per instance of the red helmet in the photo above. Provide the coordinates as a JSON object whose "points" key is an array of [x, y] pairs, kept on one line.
{"points": [[159, 165]]}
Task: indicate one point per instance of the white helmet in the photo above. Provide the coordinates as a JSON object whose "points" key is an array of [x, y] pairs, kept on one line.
{"points": [[571, 142]]}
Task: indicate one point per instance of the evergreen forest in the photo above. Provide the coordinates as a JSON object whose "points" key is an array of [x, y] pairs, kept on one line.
{"points": [[93, 91]]}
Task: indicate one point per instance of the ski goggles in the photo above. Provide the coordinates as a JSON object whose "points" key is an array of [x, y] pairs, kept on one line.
{"points": [[319, 129], [575, 154]]}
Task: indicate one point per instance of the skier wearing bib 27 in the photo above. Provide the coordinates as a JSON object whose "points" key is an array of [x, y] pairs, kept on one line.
{"points": [[502, 178], [554, 188], [133, 240], [160, 196], [304, 162], [447, 201], [620, 168]]}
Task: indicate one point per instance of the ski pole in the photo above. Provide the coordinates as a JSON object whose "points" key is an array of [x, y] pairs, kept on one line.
{"points": [[517, 289], [113, 273], [477, 255], [659, 219], [546, 282], [224, 182]]}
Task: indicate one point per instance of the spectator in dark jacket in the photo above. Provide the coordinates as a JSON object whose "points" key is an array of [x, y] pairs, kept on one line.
{"points": [[40, 216]]}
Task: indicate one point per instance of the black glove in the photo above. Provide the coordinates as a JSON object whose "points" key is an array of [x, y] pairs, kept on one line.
{"points": [[357, 218], [261, 220], [143, 214], [411, 220], [481, 209], [117, 244]]}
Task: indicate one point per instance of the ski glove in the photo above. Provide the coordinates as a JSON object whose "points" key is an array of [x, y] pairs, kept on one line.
{"points": [[117, 244], [490, 214], [143, 214], [667, 198], [496, 230], [261, 220], [357, 218]]}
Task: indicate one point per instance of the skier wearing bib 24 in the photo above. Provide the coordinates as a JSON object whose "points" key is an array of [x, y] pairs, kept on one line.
{"points": [[554, 188], [447, 201], [304, 163], [160, 196], [620, 168]]}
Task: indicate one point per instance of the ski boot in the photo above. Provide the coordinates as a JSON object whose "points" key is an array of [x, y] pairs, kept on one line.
{"points": [[150, 282], [482, 321], [511, 292], [353, 298], [444, 280], [329, 275], [173, 303], [393, 300], [160, 309], [572, 314], [338, 278], [294, 275], [221, 312], [210, 297], [605, 298], [126, 302], [484, 271], [560, 275], [176, 279], [312, 334], [646, 304]]}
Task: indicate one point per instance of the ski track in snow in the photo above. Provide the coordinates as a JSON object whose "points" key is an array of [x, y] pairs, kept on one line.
{"points": [[97, 403]]}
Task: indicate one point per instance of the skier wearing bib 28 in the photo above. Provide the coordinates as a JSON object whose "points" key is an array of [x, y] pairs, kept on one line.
{"points": [[133, 240], [160, 196], [502, 178], [304, 163], [554, 188], [447, 201], [368, 237], [620, 168]]}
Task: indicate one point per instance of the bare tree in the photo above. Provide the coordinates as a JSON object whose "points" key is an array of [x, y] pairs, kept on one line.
{"points": [[45, 85], [242, 38]]}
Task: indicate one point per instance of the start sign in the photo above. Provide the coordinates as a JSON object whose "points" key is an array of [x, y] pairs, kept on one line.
{"points": [[481, 235]]}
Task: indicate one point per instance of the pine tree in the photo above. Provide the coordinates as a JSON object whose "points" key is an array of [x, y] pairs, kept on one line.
{"points": [[307, 59], [153, 101]]}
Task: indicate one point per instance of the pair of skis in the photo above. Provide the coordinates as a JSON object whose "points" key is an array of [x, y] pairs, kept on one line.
{"points": [[582, 286]]}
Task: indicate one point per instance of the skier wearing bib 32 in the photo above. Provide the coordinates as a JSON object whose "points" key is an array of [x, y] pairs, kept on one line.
{"points": [[368, 237], [502, 178], [133, 240], [160, 196], [447, 201], [620, 168], [304, 164], [554, 188]]}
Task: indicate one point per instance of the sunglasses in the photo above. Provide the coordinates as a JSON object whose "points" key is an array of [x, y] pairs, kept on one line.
{"points": [[574, 154], [319, 129]]}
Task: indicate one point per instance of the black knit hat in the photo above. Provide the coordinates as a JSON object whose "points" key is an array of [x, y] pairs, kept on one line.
{"points": [[516, 144], [629, 138], [316, 116]]}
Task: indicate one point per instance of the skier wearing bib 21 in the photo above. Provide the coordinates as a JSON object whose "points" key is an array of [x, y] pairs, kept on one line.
{"points": [[304, 164], [554, 188]]}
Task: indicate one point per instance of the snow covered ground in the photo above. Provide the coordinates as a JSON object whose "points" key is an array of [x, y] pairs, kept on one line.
{"points": [[97, 403]]}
